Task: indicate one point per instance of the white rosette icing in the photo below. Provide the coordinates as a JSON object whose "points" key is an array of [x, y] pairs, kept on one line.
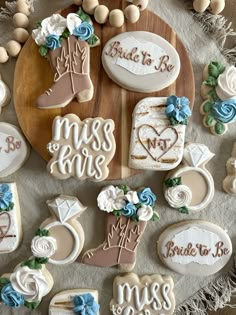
{"points": [[178, 196], [31, 284], [43, 246], [145, 213], [132, 197], [226, 84], [73, 21], [111, 198], [53, 25]]}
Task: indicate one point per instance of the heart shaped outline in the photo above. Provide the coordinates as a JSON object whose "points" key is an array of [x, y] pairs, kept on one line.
{"points": [[158, 134], [3, 234]]}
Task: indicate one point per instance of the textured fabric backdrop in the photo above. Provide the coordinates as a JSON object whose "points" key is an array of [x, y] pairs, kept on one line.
{"points": [[35, 185]]}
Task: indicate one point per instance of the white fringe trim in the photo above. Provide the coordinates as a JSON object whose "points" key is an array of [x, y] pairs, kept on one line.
{"points": [[215, 296]]}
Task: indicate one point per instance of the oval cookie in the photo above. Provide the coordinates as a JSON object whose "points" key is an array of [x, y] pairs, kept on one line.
{"points": [[195, 247], [141, 61]]}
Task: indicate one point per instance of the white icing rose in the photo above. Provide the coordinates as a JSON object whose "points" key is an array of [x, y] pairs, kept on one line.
{"points": [[111, 198], [226, 84], [178, 196], [43, 246], [73, 21], [145, 213], [53, 25], [31, 284], [132, 197]]}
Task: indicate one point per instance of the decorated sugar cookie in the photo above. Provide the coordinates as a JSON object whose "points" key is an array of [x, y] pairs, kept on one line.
{"points": [[5, 94], [60, 238], [127, 215], [14, 149], [149, 295], [229, 183], [195, 247], [190, 187], [141, 61], [66, 42], [158, 133], [77, 301], [219, 91], [81, 149], [10, 218], [26, 286]]}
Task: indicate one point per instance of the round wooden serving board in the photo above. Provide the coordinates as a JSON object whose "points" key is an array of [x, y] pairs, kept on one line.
{"points": [[33, 76]]}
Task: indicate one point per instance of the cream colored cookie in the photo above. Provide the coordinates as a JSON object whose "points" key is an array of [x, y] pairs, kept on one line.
{"points": [[5, 95], [229, 183]]}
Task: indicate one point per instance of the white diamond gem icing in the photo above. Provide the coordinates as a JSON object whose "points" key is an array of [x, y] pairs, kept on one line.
{"points": [[195, 154]]}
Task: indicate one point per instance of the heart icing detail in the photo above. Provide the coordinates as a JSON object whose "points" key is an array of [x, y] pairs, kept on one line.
{"points": [[4, 228], [157, 144]]}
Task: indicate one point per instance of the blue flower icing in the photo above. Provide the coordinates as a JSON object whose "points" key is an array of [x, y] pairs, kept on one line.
{"points": [[83, 31], [53, 42], [129, 210], [225, 111], [147, 197], [10, 297], [5, 196], [85, 304], [178, 108]]}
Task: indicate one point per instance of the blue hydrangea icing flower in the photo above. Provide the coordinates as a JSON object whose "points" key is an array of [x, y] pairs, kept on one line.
{"points": [[225, 111], [147, 197], [178, 108], [84, 31], [5, 197], [53, 42], [85, 304], [129, 210], [10, 297]]}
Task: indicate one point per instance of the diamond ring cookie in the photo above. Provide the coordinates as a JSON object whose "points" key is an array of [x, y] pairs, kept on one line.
{"points": [[229, 183], [77, 301], [127, 215], [81, 149], [60, 238], [190, 187], [219, 91], [158, 133], [198, 248], [14, 150], [141, 61], [151, 295], [5, 94], [10, 218]]}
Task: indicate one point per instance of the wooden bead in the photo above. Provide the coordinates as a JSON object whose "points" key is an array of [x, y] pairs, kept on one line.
{"points": [[13, 48], [78, 2], [116, 18], [141, 4], [3, 55], [20, 20], [89, 6], [201, 5], [101, 14], [20, 35], [217, 6], [22, 7], [132, 13]]}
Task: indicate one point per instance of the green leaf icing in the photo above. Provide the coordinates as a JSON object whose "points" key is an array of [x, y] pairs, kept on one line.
{"points": [[209, 121], [174, 122], [125, 188], [117, 213], [31, 305], [172, 182], [211, 81], [83, 16], [212, 93], [207, 107], [183, 210], [215, 69], [43, 50], [9, 208], [66, 33], [44, 232], [155, 217], [219, 128], [3, 282], [35, 263], [135, 218], [38, 24], [93, 40]]}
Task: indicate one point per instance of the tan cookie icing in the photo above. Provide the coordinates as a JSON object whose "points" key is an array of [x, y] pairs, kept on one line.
{"points": [[81, 149], [149, 295], [229, 183], [155, 144], [195, 247], [141, 61], [10, 218]]}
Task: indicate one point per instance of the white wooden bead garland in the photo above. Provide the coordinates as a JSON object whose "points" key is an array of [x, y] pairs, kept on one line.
{"points": [[20, 34], [116, 17]]}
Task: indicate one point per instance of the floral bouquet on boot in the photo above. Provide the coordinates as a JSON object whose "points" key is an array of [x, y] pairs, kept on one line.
{"points": [[128, 214]]}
